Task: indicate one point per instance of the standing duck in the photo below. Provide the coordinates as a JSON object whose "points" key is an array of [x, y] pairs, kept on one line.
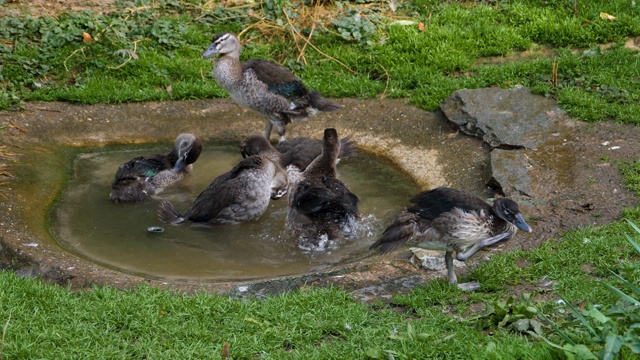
{"points": [[321, 207], [141, 176], [263, 86], [240, 195], [454, 221]]}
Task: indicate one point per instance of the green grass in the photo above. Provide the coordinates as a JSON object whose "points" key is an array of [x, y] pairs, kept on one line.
{"points": [[46, 59]]}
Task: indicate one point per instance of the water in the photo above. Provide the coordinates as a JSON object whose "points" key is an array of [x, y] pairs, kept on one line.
{"points": [[85, 222]]}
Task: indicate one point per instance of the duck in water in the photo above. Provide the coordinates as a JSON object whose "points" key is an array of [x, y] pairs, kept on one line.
{"points": [[321, 207], [142, 176], [239, 195]]}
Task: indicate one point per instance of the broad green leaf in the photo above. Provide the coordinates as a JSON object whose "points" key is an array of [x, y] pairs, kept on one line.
{"points": [[521, 325], [595, 314], [612, 346], [582, 352], [537, 326], [374, 353]]}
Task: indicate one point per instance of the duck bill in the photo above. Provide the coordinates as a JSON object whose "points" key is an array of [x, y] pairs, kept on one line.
{"points": [[180, 164], [521, 224], [212, 50]]}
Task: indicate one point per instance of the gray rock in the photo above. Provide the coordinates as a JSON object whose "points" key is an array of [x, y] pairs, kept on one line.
{"points": [[505, 118], [511, 172]]}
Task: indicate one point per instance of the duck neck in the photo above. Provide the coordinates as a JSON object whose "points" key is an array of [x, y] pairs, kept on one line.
{"points": [[325, 164], [501, 225], [227, 71]]}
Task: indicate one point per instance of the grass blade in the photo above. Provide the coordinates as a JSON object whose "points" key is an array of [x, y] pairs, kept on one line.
{"points": [[582, 319], [634, 226], [556, 329], [630, 285], [633, 243], [618, 292], [4, 333]]}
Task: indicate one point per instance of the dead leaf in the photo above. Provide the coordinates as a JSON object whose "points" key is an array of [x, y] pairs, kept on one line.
{"points": [[633, 44], [225, 350], [421, 26], [170, 90], [605, 16], [86, 37]]}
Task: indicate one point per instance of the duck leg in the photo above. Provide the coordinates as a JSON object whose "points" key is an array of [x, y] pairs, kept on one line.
{"points": [[281, 127], [470, 286], [473, 285], [481, 245], [448, 260]]}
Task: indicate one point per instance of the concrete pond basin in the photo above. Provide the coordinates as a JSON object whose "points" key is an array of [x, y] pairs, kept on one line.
{"points": [[561, 171]]}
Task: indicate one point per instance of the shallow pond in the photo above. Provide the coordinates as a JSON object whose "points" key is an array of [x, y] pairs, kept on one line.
{"points": [[86, 223]]}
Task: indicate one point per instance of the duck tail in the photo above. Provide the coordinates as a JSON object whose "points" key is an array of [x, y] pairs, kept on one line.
{"points": [[347, 147], [317, 101], [168, 214], [400, 231]]}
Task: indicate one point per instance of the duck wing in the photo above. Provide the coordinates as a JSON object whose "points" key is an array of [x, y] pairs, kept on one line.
{"points": [[224, 191], [299, 151], [329, 200], [432, 204], [278, 79], [143, 167]]}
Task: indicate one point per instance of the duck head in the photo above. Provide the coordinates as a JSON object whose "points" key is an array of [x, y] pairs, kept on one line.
{"points": [[508, 210], [188, 148], [255, 145], [331, 143], [279, 183], [223, 43]]}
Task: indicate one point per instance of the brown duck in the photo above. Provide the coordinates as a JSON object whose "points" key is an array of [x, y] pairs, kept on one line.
{"points": [[453, 220], [264, 86], [321, 207], [142, 176]]}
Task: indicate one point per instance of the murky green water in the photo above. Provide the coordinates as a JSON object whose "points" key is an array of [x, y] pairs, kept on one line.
{"points": [[115, 235]]}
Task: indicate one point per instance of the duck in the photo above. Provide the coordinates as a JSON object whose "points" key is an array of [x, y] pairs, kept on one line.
{"points": [[142, 176], [299, 151], [294, 155], [454, 221], [239, 195], [321, 207], [264, 86]]}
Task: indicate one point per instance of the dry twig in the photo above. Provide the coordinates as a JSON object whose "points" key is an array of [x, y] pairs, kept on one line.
{"points": [[4, 333]]}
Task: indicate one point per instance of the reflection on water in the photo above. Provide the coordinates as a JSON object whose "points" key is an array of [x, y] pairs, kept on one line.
{"points": [[116, 235]]}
